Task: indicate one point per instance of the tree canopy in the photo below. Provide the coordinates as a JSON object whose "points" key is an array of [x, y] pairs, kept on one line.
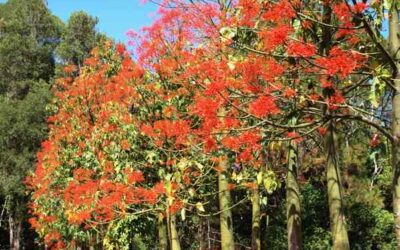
{"points": [[78, 39], [29, 36], [233, 125]]}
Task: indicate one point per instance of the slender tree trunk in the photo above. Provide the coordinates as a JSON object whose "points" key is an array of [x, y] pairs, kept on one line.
{"points": [[396, 158], [335, 196], [162, 233], [256, 220], [265, 245], [201, 234], [293, 203], [394, 46], [15, 229], [335, 200], [227, 240], [92, 241], [174, 237]]}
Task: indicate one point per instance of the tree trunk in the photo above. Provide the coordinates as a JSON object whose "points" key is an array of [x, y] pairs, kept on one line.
{"points": [[201, 234], [394, 45], [256, 219], [162, 233], [293, 207], [396, 158], [173, 233], [335, 196], [227, 240], [15, 229], [335, 200], [265, 245], [173, 236]]}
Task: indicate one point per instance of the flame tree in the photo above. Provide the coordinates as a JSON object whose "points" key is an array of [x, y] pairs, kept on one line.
{"points": [[215, 88]]}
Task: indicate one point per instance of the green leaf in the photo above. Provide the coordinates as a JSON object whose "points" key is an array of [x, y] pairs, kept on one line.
{"points": [[182, 164], [168, 177], [377, 89], [270, 183], [264, 201], [231, 65], [177, 177], [200, 207], [259, 177], [198, 165], [373, 93], [183, 214], [150, 156], [387, 4], [227, 33], [192, 192]]}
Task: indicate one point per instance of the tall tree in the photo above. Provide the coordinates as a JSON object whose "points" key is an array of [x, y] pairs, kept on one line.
{"points": [[78, 39], [293, 206], [394, 47], [196, 72], [28, 37], [335, 193], [23, 127], [226, 223]]}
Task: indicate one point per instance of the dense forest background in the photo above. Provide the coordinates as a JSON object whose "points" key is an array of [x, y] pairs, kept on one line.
{"points": [[230, 125], [34, 47]]}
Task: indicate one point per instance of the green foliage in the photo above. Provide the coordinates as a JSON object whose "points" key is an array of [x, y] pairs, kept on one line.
{"points": [[78, 39], [371, 228], [315, 217], [22, 128], [28, 37], [275, 232], [29, 34], [131, 232], [316, 233], [383, 183]]}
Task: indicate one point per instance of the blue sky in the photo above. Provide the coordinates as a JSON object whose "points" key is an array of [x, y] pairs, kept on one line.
{"points": [[115, 16]]}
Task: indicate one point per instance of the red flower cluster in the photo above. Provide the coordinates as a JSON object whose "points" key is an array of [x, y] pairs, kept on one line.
{"points": [[263, 106], [301, 49], [340, 62]]}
